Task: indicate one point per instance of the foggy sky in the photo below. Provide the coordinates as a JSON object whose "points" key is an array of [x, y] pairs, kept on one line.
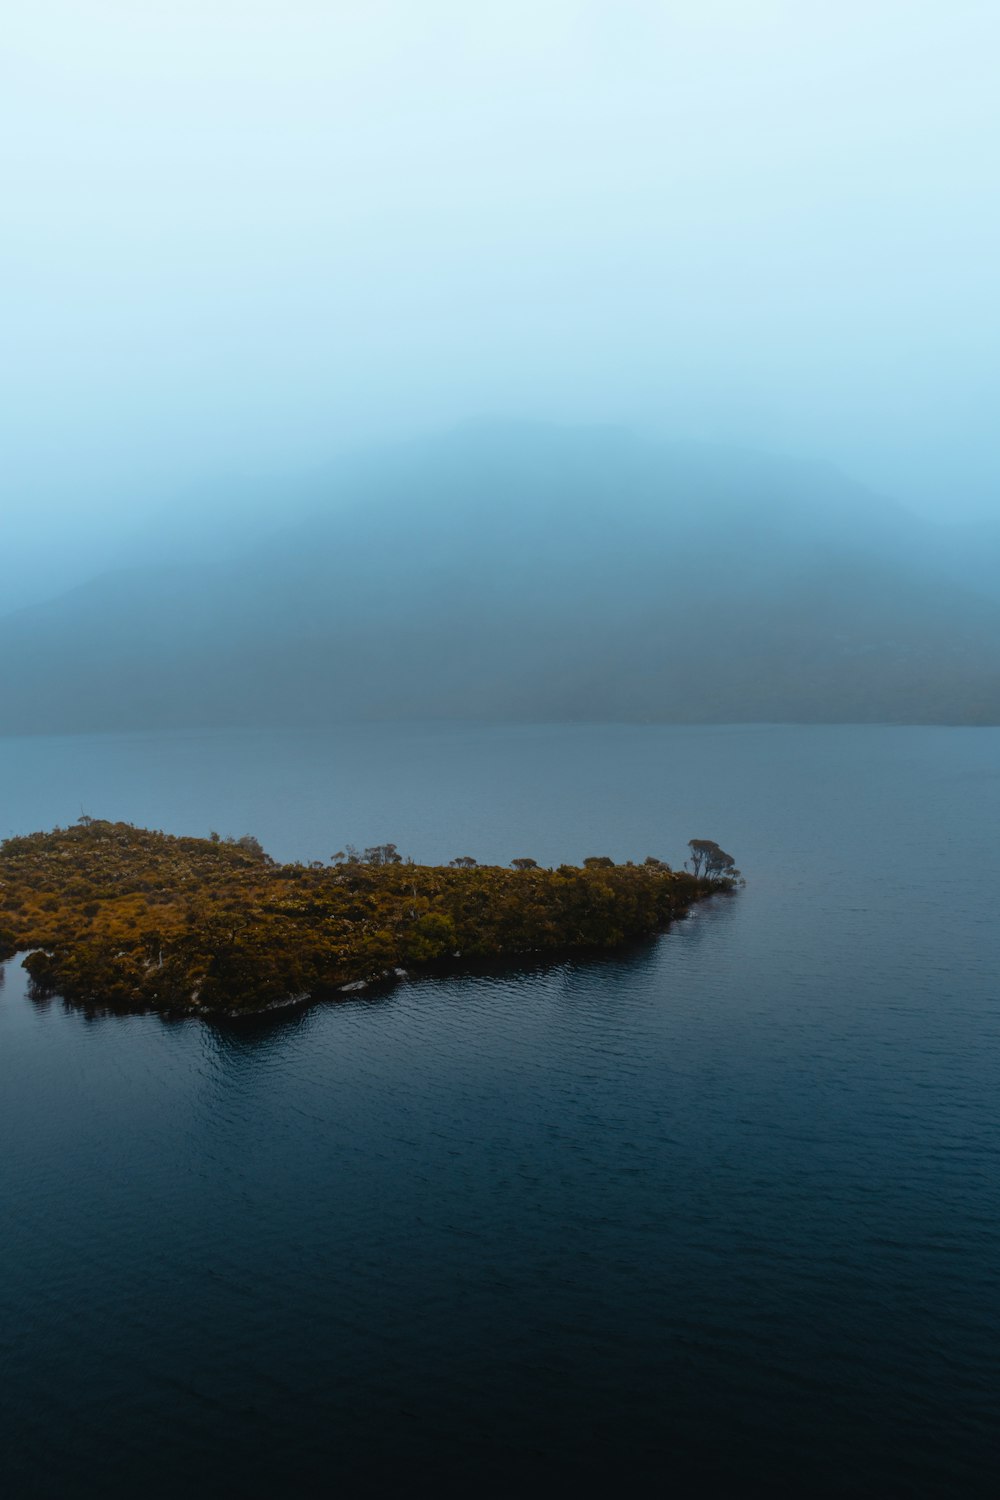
{"points": [[242, 234]]}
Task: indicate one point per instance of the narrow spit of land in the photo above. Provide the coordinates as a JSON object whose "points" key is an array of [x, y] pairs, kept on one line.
{"points": [[122, 918]]}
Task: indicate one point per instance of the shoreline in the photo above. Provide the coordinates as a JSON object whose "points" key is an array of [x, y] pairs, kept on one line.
{"points": [[127, 920]]}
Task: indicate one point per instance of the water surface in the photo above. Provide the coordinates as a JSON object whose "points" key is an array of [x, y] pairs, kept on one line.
{"points": [[721, 1211]]}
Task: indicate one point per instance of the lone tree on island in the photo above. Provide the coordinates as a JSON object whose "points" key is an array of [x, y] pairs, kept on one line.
{"points": [[709, 862]]}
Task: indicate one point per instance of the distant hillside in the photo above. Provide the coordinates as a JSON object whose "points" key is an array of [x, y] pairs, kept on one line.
{"points": [[531, 573]]}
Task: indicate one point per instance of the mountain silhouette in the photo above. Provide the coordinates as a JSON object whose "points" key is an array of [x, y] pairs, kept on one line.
{"points": [[513, 571]]}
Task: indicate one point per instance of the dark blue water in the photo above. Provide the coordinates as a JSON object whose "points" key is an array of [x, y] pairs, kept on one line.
{"points": [[721, 1215]]}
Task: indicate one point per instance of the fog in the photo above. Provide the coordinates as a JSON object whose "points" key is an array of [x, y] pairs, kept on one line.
{"points": [[243, 240]]}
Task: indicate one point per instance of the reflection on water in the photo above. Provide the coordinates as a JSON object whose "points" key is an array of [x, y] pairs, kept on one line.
{"points": [[718, 1212]]}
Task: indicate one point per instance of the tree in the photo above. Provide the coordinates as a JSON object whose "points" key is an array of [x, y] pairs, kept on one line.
{"points": [[709, 862], [525, 864], [383, 854], [464, 862], [599, 862]]}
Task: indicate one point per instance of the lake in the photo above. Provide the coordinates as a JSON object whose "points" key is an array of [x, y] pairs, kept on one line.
{"points": [[719, 1213]]}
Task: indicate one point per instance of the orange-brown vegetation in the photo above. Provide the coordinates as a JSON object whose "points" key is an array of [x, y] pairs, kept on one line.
{"points": [[127, 919]]}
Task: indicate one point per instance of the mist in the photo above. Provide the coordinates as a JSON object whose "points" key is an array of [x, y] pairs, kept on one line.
{"points": [[499, 747], [241, 237], [254, 253]]}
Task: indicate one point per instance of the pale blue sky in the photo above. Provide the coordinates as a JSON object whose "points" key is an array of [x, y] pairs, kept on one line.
{"points": [[240, 235]]}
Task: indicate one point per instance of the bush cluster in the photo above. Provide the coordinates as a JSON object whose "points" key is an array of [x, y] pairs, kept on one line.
{"points": [[125, 918]]}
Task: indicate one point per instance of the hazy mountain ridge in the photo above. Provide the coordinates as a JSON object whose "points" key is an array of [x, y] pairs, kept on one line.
{"points": [[531, 572]]}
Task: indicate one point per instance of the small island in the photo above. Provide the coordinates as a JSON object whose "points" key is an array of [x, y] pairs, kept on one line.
{"points": [[125, 919]]}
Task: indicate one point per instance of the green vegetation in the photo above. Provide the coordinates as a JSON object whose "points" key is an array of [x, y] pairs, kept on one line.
{"points": [[126, 919]]}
